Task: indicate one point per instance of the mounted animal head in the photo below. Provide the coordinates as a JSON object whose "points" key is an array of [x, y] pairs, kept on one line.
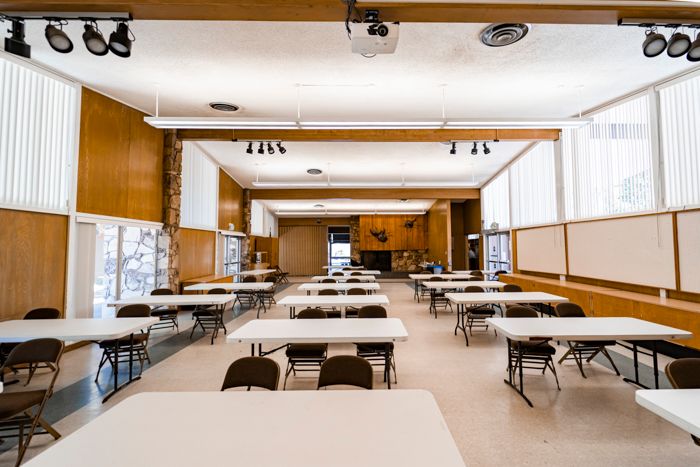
{"points": [[379, 234], [410, 223]]}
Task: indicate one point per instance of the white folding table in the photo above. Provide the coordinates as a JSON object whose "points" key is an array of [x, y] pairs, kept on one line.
{"points": [[362, 278], [255, 272], [340, 286], [419, 278], [413, 431], [312, 301], [79, 329], [442, 286], [317, 331], [357, 272], [351, 268], [256, 289], [678, 406], [581, 330]]}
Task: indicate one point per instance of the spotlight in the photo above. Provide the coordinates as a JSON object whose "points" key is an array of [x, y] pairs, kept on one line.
{"points": [[58, 40], [261, 150], [654, 44], [270, 149], [486, 149], [694, 52], [120, 42], [453, 151], [250, 148], [281, 149], [678, 45], [94, 41], [15, 43], [475, 151]]}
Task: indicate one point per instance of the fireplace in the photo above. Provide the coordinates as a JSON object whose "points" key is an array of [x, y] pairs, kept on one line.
{"points": [[380, 260]]}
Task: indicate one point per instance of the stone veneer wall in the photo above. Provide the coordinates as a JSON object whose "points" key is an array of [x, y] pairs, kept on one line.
{"points": [[355, 252], [245, 241], [169, 239], [408, 261]]}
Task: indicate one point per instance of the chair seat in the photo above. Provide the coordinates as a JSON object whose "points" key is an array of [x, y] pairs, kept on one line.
{"points": [[595, 343], [333, 314], [351, 311], [13, 403], [307, 350], [482, 311], [535, 348], [163, 312], [374, 347], [124, 341], [203, 314]]}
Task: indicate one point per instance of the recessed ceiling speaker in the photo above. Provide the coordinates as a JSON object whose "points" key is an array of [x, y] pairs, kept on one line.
{"points": [[224, 107], [501, 35], [654, 44], [678, 45]]}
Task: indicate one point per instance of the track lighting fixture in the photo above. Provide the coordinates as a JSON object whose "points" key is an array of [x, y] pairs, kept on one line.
{"points": [[270, 149], [94, 40], [264, 146], [15, 43], [280, 148], [250, 148], [694, 52], [453, 151], [487, 151], [57, 39], [475, 151], [654, 44], [120, 40], [678, 45], [261, 150]]}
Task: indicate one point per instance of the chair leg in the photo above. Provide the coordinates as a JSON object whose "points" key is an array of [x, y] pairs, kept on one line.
{"points": [[550, 363], [103, 360], [290, 367], [604, 351]]}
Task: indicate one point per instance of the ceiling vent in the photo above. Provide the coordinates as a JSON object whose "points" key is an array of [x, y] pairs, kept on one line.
{"points": [[314, 171], [501, 35], [224, 107]]}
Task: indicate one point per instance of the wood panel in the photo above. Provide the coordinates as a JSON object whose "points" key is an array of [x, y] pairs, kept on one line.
{"points": [[197, 253], [32, 262], [391, 135], [120, 167], [399, 237], [439, 233], [459, 239], [230, 203], [269, 244], [303, 249], [364, 193]]}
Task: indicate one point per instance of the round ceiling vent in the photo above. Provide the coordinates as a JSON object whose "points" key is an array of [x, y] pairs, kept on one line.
{"points": [[314, 171], [500, 35], [319, 206], [224, 106]]}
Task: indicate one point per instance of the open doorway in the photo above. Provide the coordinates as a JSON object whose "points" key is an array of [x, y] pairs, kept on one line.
{"points": [[339, 245]]}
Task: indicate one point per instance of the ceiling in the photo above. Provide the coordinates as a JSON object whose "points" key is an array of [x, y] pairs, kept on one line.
{"points": [[346, 207]]}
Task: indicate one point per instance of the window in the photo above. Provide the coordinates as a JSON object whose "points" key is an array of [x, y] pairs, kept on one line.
{"points": [[608, 164], [232, 255], [339, 246], [199, 188], [495, 205], [532, 187], [680, 142]]}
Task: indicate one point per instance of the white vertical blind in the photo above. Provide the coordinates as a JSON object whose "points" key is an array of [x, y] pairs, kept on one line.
{"points": [[38, 122], [257, 218], [199, 188], [533, 187], [495, 203], [608, 164], [680, 142]]}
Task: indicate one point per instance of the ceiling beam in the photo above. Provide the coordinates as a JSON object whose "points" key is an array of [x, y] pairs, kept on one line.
{"points": [[365, 193], [389, 136], [334, 10]]}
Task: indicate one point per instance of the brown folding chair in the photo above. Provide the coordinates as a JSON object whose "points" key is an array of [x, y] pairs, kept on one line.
{"points": [[476, 315], [356, 273], [210, 317], [125, 346], [353, 280], [302, 356], [382, 352], [476, 273], [261, 372], [438, 299], [331, 312], [166, 315], [337, 273], [281, 275], [328, 280], [248, 295], [684, 373], [351, 311], [24, 408], [346, 370], [585, 349]]}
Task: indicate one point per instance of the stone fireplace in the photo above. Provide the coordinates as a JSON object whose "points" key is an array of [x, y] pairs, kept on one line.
{"points": [[380, 260]]}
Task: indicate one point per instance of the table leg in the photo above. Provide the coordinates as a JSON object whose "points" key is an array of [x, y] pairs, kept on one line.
{"points": [[387, 365], [132, 378], [656, 364], [635, 359], [252, 350], [519, 363]]}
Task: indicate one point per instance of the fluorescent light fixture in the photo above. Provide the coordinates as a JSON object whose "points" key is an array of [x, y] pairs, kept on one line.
{"points": [[341, 125], [218, 123], [428, 184], [529, 124], [290, 184], [345, 213], [366, 184]]}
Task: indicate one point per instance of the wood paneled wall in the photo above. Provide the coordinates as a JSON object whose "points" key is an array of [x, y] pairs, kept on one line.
{"points": [[33, 250], [197, 253], [269, 244], [303, 249], [400, 237], [120, 169], [230, 203], [440, 233], [459, 241]]}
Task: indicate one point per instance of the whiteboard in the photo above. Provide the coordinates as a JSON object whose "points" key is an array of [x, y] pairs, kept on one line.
{"points": [[689, 250], [635, 250], [542, 249]]}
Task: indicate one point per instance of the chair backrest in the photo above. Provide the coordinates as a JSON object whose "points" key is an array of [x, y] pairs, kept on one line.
{"points": [[476, 279], [476, 273], [437, 279], [473, 289], [261, 372], [347, 268], [353, 280], [47, 350], [328, 292], [346, 369], [328, 281], [519, 311], [447, 272], [43, 313], [512, 288], [356, 273], [137, 310], [312, 313], [684, 373], [356, 291], [162, 292], [337, 273], [249, 279], [500, 271], [569, 310], [372, 311]]}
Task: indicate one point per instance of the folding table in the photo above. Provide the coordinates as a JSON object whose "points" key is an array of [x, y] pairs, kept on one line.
{"points": [[362, 278], [364, 272], [339, 286], [678, 406], [418, 278], [314, 301], [257, 289], [457, 285]]}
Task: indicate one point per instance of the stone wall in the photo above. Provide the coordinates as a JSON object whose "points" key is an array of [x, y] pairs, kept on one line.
{"points": [[355, 252], [169, 239], [407, 261], [245, 241]]}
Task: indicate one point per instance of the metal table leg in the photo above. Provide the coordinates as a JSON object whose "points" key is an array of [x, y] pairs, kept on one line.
{"points": [[519, 363], [115, 366]]}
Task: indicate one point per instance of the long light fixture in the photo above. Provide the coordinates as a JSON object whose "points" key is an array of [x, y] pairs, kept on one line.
{"points": [[356, 212], [428, 184]]}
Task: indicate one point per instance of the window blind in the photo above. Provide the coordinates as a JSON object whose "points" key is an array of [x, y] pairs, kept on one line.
{"points": [[533, 187], [199, 188], [495, 203]]}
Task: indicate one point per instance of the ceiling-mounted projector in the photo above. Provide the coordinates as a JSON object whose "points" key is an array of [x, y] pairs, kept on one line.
{"points": [[372, 36]]}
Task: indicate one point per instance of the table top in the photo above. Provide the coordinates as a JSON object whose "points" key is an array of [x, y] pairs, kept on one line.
{"points": [[462, 284], [176, 300], [233, 286], [485, 271], [585, 329], [365, 272], [339, 286], [309, 331], [678, 406], [333, 300], [425, 276], [362, 278], [344, 267], [258, 428], [254, 272], [21, 330], [504, 297]]}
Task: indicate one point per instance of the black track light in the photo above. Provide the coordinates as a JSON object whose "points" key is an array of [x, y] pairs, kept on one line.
{"points": [[694, 52], [261, 149], [250, 148], [487, 151], [270, 149], [453, 151], [120, 42], [57, 39], [654, 44], [678, 45], [475, 151], [15, 43], [94, 40], [280, 148]]}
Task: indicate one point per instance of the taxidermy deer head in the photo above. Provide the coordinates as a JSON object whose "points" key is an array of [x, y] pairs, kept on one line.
{"points": [[379, 234], [410, 223]]}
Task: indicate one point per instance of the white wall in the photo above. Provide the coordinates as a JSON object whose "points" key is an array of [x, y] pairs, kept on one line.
{"points": [[542, 249]]}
